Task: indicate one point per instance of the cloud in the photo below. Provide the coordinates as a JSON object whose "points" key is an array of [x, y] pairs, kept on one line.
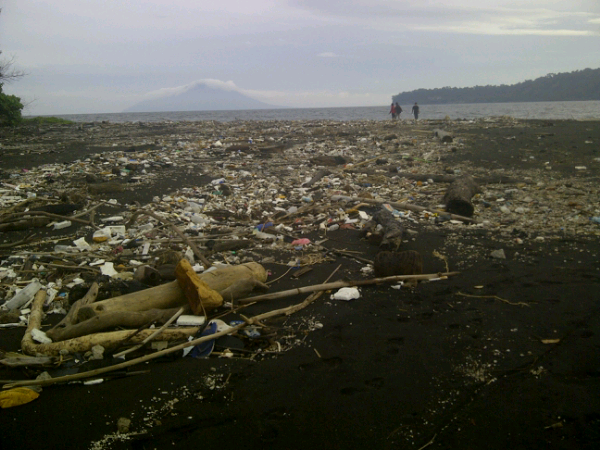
{"points": [[492, 17], [327, 55]]}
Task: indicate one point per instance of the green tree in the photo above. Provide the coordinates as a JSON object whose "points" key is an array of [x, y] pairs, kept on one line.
{"points": [[10, 109], [10, 105]]}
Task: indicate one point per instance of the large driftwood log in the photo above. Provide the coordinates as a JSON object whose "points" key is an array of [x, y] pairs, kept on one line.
{"points": [[444, 136], [101, 322], [71, 317], [392, 229], [458, 196], [316, 177], [85, 343], [170, 295], [399, 205]]}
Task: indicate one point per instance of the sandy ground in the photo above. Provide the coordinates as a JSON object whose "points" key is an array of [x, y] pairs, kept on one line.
{"points": [[503, 355]]}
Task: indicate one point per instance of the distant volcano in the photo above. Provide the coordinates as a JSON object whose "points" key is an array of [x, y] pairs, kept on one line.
{"points": [[209, 95]]}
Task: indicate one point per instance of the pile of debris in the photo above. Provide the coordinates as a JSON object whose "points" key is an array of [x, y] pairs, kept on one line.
{"points": [[224, 202]]}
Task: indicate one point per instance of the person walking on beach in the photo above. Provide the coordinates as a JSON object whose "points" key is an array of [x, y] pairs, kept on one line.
{"points": [[398, 110], [415, 111], [393, 111]]}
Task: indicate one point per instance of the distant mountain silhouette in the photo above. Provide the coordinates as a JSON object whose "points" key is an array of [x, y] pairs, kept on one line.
{"points": [[199, 97], [572, 86]]}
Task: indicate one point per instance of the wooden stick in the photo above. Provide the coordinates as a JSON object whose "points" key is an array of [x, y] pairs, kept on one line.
{"points": [[47, 214], [340, 284], [153, 335], [25, 240]]}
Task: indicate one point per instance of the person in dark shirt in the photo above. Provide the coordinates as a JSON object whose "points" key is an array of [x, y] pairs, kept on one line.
{"points": [[398, 110], [415, 111]]}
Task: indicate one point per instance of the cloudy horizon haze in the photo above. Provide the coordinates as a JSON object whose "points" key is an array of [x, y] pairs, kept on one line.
{"points": [[100, 56]]}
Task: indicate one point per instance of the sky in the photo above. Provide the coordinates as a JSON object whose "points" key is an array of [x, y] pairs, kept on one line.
{"points": [[99, 56]]}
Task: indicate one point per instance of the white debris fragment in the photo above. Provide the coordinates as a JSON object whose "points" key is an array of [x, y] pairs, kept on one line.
{"points": [[39, 336], [346, 293], [108, 268]]}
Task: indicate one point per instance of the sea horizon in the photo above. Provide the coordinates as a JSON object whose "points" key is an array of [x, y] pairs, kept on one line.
{"points": [[576, 110]]}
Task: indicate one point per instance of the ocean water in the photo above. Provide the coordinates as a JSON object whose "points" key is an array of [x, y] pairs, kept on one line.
{"points": [[534, 110]]}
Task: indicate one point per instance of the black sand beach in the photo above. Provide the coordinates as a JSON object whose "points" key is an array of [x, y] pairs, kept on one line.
{"points": [[504, 354]]}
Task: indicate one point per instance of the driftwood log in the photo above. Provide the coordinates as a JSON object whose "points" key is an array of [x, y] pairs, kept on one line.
{"points": [[387, 264], [317, 176], [459, 194], [129, 319], [444, 136], [85, 343], [170, 295], [393, 231], [71, 317], [400, 205]]}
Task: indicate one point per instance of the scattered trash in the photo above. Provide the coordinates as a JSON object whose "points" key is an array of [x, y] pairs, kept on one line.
{"points": [[17, 397], [346, 293]]}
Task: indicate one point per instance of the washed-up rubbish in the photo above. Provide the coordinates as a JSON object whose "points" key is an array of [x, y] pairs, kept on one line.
{"points": [[262, 226], [300, 242], [61, 225], [23, 296], [186, 320], [17, 397], [250, 331], [108, 268], [204, 349], [39, 336], [346, 293]]}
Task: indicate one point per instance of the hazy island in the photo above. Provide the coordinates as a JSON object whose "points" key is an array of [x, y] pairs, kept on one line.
{"points": [[573, 86]]}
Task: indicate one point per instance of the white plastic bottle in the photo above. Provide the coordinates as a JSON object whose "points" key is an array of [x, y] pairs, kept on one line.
{"points": [[23, 296]]}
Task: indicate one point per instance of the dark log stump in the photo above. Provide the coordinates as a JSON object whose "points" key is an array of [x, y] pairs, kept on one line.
{"points": [[387, 264], [458, 196]]}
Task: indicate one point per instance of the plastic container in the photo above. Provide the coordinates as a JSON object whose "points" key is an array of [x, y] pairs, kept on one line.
{"points": [[61, 225], [23, 296]]}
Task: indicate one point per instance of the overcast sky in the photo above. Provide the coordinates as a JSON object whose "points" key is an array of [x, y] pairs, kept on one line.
{"points": [[89, 56]]}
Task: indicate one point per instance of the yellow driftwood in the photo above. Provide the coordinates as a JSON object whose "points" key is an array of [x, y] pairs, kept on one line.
{"points": [[199, 294], [85, 343], [170, 295]]}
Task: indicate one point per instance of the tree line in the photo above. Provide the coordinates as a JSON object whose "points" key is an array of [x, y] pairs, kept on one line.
{"points": [[572, 86]]}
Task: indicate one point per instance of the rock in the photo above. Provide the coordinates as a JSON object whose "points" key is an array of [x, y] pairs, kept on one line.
{"points": [[498, 254], [123, 425], [97, 352]]}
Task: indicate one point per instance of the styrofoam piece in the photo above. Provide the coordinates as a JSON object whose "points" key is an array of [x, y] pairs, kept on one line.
{"points": [[39, 336], [346, 293], [61, 225], [186, 320]]}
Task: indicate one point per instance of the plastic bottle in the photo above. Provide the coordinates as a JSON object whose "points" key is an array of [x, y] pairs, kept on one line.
{"points": [[24, 295]]}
